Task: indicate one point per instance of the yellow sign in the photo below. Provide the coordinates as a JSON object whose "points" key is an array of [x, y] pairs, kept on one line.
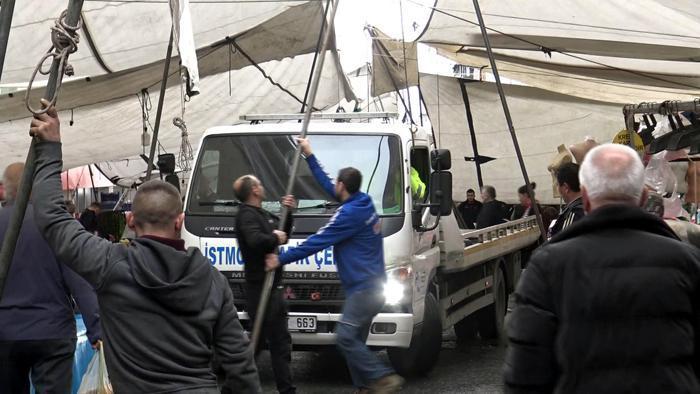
{"points": [[623, 137]]}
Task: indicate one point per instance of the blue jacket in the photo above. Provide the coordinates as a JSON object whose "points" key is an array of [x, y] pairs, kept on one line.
{"points": [[355, 234], [36, 303]]}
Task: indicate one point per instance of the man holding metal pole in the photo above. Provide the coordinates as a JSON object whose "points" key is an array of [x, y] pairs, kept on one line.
{"points": [[355, 233], [165, 311], [257, 237]]}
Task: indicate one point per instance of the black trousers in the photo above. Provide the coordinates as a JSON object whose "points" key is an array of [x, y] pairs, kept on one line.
{"points": [[275, 332], [49, 363]]}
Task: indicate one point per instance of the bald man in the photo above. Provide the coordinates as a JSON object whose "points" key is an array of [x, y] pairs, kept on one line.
{"points": [[165, 310], [610, 305], [258, 236], [37, 322]]}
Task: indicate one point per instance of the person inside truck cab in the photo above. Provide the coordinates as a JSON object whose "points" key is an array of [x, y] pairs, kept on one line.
{"points": [[355, 233], [418, 188]]}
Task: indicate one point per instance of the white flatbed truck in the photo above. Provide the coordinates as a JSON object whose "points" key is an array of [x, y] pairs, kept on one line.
{"points": [[439, 276]]}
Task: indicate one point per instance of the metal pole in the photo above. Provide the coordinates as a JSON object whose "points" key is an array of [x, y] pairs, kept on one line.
{"points": [[472, 132], [270, 276], [159, 111], [313, 63], [6, 9], [25, 187], [509, 120], [92, 181]]}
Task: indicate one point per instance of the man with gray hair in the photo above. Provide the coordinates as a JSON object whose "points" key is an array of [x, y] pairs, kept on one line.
{"points": [[611, 304]]}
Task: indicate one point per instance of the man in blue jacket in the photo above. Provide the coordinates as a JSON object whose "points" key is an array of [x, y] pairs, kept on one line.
{"points": [[355, 233], [37, 322]]}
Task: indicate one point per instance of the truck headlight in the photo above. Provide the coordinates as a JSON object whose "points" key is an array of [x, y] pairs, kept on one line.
{"points": [[398, 280], [393, 292]]}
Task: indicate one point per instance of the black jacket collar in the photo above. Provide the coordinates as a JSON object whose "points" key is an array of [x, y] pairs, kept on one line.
{"points": [[616, 216]]}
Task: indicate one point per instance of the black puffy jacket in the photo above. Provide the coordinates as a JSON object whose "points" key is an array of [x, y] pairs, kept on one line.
{"points": [[610, 305]]}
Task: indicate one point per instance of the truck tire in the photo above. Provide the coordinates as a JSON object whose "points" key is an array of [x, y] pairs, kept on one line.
{"points": [[422, 355], [491, 319]]}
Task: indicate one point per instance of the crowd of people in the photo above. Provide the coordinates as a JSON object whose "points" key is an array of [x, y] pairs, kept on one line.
{"points": [[491, 212], [608, 304], [154, 283]]}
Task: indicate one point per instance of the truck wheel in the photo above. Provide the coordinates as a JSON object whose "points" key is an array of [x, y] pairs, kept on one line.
{"points": [[491, 319], [422, 355]]}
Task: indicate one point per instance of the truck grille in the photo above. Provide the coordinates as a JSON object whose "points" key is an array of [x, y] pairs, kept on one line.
{"points": [[299, 294]]}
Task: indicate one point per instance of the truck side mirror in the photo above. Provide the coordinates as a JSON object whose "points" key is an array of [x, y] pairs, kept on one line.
{"points": [[440, 159], [441, 193]]}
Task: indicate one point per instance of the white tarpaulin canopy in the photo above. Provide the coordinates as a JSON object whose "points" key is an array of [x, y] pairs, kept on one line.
{"points": [[543, 120], [131, 40], [290, 31], [112, 130], [604, 49]]}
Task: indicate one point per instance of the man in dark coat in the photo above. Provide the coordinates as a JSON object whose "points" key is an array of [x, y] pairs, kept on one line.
{"points": [[37, 319], [165, 311], [570, 191], [89, 217], [469, 209], [257, 234], [610, 305], [492, 212]]}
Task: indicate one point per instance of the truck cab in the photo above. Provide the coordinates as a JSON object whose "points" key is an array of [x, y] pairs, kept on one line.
{"points": [[419, 230]]}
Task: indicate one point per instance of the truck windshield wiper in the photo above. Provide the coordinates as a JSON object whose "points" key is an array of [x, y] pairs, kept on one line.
{"points": [[326, 205], [227, 203]]}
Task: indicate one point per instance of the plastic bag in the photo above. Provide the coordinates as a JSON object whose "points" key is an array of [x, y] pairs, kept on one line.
{"points": [[96, 379]]}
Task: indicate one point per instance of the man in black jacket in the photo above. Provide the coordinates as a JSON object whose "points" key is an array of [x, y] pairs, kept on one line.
{"points": [[570, 191], [492, 212], [258, 236], [469, 209], [164, 310], [611, 304]]}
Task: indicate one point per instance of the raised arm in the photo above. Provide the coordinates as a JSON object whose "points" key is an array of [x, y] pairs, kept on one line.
{"points": [[317, 170], [84, 253], [339, 228]]}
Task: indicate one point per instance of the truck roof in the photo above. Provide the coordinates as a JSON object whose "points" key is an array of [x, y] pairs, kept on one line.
{"points": [[315, 127]]}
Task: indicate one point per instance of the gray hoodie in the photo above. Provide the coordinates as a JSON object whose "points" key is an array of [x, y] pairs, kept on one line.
{"points": [[165, 312]]}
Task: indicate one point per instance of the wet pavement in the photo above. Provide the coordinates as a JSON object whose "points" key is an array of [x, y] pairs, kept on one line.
{"points": [[471, 368]]}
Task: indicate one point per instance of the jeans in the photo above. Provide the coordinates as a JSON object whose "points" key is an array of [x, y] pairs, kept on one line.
{"points": [[352, 331], [275, 331], [48, 363]]}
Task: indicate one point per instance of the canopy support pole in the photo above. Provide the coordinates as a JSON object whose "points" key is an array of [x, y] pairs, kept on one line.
{"points": [[509, 120], [472, 132], [313, 63], [270, 275], [25, 187], [6, 9], [92, 181], [159, 111]]}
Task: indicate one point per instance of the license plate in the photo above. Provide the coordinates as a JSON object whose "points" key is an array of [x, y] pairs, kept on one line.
{"points": [[302, 323]]}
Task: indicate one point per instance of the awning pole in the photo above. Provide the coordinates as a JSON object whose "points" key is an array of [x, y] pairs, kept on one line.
{"points": [[472, 132], [25, 187], [270, 276], [159, 111], [509, 120], [6, 9]]}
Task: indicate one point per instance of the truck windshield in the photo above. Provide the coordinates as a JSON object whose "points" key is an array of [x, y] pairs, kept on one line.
{"points": [[223, 159]]}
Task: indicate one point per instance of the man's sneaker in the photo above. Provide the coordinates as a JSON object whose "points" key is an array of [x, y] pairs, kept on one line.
{"points": [[388, 384]]}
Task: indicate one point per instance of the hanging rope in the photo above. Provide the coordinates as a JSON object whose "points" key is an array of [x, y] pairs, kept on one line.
{"points": [[185, 157], [64, 41], [146, 107]]}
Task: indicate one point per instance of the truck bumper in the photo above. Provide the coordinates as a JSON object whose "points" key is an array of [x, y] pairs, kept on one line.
{"points": [[387, 329]]}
